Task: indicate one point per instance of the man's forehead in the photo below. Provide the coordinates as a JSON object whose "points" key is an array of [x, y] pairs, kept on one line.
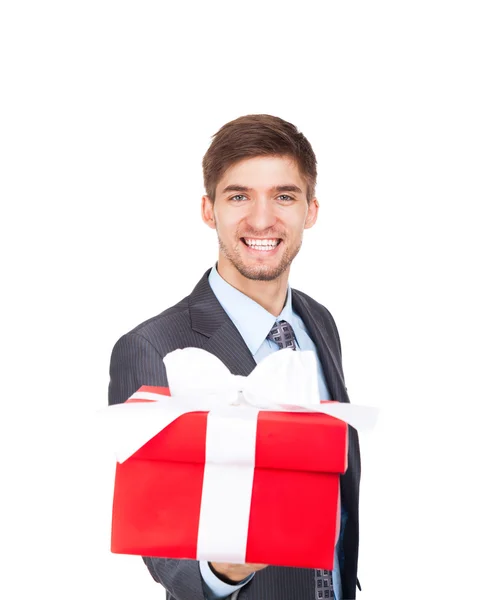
{"points": [[262, 172]]}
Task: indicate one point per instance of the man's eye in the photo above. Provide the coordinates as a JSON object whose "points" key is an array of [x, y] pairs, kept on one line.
{"points": [[238, 197], [285, 197]]}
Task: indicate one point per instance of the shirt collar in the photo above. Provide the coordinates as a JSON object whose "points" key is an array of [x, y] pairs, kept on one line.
{"points": [[252, 320]]}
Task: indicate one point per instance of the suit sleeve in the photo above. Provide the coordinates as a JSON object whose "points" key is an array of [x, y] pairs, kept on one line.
{"points": [[136, 362]]}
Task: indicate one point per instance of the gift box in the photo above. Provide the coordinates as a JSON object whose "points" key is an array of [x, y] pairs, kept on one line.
{"points": [[188, 494]]}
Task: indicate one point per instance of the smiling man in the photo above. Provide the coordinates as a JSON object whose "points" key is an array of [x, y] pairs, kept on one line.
{"points": [[260, 176]]}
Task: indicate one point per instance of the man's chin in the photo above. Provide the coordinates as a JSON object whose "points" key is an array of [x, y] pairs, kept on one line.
{"points": [[261, 273], [269, 270]]}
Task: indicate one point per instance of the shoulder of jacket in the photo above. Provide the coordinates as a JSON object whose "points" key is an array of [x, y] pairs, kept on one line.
{"points": [[314, 305], [170, 320]]}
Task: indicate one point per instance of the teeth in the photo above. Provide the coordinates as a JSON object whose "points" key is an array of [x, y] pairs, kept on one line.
{"points": [[261, 244]]}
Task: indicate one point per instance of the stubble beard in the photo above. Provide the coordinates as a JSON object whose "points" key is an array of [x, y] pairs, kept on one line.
{"points": [[259, 272]]}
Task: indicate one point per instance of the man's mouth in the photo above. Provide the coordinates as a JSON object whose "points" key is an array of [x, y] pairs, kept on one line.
{"points": [[261, 244]]}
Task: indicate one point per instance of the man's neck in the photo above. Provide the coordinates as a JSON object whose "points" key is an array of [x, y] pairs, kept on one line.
{"points": [[271, 295]]}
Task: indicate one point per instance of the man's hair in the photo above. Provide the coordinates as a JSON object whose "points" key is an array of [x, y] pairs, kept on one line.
{"points": [[257, 135]]}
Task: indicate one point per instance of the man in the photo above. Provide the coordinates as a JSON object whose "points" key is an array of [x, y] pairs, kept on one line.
{"points": [[260, 175]]}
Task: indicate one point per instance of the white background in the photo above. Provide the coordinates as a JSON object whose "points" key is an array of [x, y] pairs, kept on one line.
{"points": [[106, 111]]}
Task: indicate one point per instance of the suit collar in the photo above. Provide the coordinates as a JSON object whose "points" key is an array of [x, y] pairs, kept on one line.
{"points": [[206, 314], [223, 339], [318, 330]]}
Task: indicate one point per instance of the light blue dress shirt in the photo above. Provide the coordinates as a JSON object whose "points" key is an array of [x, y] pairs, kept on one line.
{"points": [[254, 323]]}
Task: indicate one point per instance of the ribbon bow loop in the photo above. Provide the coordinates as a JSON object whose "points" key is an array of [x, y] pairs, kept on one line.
{"points": [[284, 377]]}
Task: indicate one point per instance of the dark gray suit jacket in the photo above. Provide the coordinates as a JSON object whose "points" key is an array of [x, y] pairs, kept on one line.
{"points": [[200, 321]]}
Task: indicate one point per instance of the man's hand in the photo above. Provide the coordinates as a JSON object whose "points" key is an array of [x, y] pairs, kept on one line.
{"points": [[235, 573]]}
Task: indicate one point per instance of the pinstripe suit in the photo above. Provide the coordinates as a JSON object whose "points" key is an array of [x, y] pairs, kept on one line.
{"points": [[199, 321]]}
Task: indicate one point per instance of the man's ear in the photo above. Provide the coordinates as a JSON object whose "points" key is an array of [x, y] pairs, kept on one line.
{"points": [[312, 213], [207, 210]]}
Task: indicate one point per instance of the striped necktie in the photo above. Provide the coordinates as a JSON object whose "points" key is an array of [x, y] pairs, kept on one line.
{"points": [[282, 334], [323, 584]]}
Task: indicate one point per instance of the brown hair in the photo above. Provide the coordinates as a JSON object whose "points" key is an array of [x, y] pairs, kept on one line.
{"points": [[257, 135]]}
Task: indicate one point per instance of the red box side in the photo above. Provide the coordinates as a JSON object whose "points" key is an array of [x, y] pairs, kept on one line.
{"points": [[293, 519], [156, 508]]}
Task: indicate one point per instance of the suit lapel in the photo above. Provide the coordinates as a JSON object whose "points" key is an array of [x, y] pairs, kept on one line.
{"points": [[223, 339], [319, 333]]}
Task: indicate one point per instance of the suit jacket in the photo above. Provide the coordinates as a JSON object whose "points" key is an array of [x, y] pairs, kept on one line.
{"points": [[200, 321]]}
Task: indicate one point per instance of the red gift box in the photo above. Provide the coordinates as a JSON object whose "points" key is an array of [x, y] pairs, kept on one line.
{"points": [[294, 505]]}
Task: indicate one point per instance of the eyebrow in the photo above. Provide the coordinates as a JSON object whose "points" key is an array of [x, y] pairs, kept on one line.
{"points": [[276, 188]]}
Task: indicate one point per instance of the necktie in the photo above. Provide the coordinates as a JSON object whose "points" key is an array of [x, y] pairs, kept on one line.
{"points": [[323, 584], [282, 334]]}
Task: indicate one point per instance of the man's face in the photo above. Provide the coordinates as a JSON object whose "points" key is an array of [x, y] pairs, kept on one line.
{"points": [[260, 211]]}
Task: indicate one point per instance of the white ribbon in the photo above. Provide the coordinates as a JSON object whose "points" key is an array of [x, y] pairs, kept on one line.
{"points": [[227, 487]]}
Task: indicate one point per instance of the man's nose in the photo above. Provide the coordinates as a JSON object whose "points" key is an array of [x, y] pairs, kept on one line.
{"points": [[261, 215]]}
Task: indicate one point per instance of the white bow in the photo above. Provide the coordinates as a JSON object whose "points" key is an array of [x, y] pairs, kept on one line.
{"points": [[282, 378], [199, 381]]}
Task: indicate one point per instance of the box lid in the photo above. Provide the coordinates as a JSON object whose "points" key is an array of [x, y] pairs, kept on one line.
{"points": [[285, 440]]}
